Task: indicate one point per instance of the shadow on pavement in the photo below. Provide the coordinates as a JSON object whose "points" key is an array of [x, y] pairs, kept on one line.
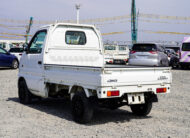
{"points": [[62, 108]]}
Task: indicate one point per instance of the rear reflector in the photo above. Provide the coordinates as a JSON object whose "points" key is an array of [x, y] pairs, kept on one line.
{"points": [[153, 52], [161, 90], [112, 93], [132, 52]]}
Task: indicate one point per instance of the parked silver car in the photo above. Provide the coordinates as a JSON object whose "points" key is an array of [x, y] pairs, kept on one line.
{"points": [[148, 54]]}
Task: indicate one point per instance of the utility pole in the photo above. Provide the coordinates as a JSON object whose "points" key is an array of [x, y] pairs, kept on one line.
{"points": [[134, 27], [77, 6], [28, 28]]}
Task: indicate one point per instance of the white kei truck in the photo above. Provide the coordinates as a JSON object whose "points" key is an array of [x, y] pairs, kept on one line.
{"points": [[65, 59]]}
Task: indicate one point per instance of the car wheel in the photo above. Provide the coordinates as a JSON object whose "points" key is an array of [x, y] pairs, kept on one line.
{"points": [[141, 109], [24, 94], [174, 64], [82, 109], [161, 63], [15, 64]]}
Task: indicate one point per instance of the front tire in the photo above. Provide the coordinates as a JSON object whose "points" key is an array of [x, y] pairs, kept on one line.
{"points": [[141, 109], [82, 109], [24, 94], [15, 64]]}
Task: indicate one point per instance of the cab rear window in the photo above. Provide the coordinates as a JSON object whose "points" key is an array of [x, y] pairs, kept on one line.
{"points": [[144, 47], [110, 48], [186, 47], [75, 38]]}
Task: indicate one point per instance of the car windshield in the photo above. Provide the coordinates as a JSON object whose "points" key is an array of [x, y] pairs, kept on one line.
{"points": [[2, 51], [122, 48], [16, 50], [110, 48], [144, 47], [170, 51], [186, 47]]}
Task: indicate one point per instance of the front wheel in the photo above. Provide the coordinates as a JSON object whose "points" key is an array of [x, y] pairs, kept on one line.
{"points": [[142, 109], [24, 94], [82, 109]]}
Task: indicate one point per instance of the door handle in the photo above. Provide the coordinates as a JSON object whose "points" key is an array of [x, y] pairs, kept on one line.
{"points": [[39, 62]]}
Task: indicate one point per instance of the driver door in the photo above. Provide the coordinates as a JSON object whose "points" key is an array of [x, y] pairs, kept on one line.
{"points": [[33, 63]]}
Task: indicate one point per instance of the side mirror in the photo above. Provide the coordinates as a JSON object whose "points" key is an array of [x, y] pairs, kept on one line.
{"points": [[25, 47]]}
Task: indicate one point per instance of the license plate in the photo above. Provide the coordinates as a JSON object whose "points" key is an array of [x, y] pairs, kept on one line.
{"points": [[136, 98], [117, 61]]}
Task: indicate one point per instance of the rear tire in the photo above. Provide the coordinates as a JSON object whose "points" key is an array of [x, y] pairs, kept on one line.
{"points": [[82, 109], [24, 94], [15, 64], [141, 109]]}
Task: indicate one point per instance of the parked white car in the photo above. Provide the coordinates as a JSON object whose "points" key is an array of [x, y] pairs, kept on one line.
{"points": [[8, 44], [68, 60], [119, 54], [17, 51]]}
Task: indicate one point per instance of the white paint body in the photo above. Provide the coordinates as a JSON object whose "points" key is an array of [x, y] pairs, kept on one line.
{"points": [[83, 65], [117, 54]]}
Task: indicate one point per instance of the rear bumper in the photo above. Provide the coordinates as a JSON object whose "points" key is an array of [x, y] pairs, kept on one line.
{"points": [[102, 92], [119, 61], [147, 62]]}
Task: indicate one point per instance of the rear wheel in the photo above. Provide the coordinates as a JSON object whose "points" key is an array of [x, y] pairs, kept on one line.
{"points": [[161, 63], [24, 94], [15, 64], [82, 109], [174, 64], [142, 109]]}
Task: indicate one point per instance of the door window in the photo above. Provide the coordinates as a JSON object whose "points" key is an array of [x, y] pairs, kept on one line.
{"points": [[37, 42]]}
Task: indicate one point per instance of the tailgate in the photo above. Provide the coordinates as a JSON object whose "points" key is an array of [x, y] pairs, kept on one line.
{"points": [[131, 76]]}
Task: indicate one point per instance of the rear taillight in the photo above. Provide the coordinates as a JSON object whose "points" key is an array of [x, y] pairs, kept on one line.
{"points": [[179, 54], [132, 52], [153, 52], [110, 61], [112, 93], [161, 90], [20, 54]]}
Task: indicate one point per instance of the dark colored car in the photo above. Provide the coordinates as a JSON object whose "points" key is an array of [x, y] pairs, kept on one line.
{"points": [[8, 60], [173, 58]]}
